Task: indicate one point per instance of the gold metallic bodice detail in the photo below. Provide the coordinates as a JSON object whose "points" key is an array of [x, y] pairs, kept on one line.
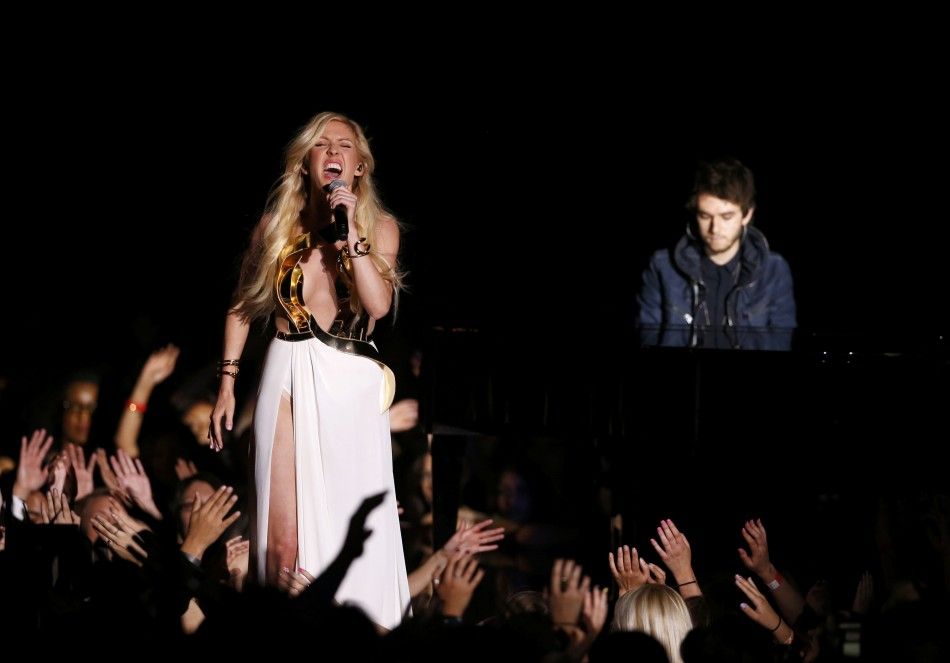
{"points": [[289, 283], [346, 334]]}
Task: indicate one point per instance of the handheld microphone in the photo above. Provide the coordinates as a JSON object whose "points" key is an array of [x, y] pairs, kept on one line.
{"points": [[339, 212]]}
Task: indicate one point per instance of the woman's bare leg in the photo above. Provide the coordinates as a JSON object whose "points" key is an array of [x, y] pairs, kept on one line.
{"points": [[282, 509]]}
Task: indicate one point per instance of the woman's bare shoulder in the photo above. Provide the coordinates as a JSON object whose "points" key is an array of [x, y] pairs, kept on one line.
{"points": [[387, 234], [387, 227], [388, 221]]}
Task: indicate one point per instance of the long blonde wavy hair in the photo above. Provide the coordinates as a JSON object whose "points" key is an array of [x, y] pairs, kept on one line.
{"points": [[254, 295], [656, 610]]}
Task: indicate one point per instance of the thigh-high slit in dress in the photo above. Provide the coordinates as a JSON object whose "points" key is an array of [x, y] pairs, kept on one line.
{"points": [[340, 396]]}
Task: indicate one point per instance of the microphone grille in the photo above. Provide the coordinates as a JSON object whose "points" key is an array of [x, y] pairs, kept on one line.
{"points": [[335, 184]]}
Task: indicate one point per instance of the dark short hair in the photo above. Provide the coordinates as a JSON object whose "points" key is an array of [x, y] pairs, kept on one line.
{"points": [[727, 179]]}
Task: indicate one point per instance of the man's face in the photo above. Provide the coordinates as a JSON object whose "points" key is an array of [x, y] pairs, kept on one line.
{"points": [[80, 403], [720, 224]]}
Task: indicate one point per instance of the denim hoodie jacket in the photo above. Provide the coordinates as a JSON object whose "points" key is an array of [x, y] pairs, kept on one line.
{"points": [[760, 308]]}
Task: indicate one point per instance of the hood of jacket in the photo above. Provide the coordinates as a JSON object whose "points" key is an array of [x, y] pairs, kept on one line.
{"points": [[753, 252]]}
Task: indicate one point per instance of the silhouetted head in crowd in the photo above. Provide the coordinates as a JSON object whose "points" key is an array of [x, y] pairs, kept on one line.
{"points": [[516, 494], [729, 638], [628, 647], [525, 602], [80, 399]]}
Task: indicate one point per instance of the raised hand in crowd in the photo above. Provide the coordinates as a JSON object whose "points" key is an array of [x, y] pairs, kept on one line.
{"points": [[82, 470], [121, 535], [657, 574], [156, 369], [209, 520], [293, 582], [863, 595], [789, 600], [457, 584], [629, 569], [55, 509], [58, 471], [185, 469], [159, 366], [473, 539], [238, 556], [674, 550], [757, 559], [468, 538], [593, 618], [133, 482], [428, 573], [594, 612], [109, 478], [403, 415], [761, 612], [30, 473], [566, 593]]}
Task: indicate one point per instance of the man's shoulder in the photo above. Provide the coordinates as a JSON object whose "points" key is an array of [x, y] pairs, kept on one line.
{"points": [[775, 272], [662, 256], [776, 261]]}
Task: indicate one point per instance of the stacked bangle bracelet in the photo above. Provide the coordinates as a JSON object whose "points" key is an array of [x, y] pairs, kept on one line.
{"points": [[229, 362]]}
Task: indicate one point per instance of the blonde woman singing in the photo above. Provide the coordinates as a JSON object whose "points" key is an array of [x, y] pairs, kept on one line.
{"points": [[323, 261]]}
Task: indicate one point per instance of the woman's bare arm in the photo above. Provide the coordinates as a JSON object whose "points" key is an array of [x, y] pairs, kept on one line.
{"points": [[235, 336], [375, 292]]}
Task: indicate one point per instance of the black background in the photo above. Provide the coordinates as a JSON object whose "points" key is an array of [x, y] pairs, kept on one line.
{"points": [[533, 192]]}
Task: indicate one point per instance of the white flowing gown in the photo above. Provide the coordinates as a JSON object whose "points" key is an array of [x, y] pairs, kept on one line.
{"points": [[343, 454]]}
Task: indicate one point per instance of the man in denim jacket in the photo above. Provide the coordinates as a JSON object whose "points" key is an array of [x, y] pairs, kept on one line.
{"points": [[720, 286]]}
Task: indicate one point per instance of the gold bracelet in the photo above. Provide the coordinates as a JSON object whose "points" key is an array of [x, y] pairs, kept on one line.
{"points": [[344, 256], [233, 374]]}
